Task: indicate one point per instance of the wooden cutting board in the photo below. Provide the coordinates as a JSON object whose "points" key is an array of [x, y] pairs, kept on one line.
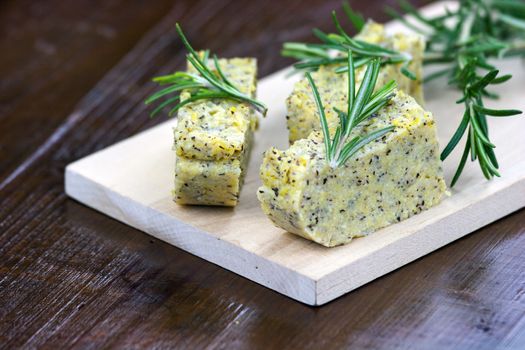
{"points": [[131, 181]]}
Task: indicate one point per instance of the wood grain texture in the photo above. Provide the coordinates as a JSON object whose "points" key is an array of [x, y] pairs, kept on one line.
{"points": [[72, 277]]}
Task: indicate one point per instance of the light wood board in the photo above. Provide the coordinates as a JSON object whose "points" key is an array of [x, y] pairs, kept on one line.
{"points": [[131, 181]]}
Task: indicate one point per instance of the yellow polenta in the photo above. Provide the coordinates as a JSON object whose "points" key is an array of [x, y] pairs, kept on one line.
{"points": [[302, 115], [386, 181], [213, 139]]}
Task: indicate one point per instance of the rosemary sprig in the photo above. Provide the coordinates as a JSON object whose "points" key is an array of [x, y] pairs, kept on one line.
{"points": [[207, 84], [333, 47], [361, 106], [464, 40]]}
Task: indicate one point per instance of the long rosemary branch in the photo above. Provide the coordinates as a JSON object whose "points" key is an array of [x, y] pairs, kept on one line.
{"points": [[467, 41]]}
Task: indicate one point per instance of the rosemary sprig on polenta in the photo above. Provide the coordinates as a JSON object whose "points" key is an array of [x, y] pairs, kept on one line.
{"points": [[361, 106], [207, 84]]}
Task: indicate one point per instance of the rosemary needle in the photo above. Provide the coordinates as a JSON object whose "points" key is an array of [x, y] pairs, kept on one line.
{"points": [[207, 84], [361, 105]]}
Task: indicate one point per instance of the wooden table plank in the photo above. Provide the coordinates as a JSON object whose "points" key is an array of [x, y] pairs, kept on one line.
{"points": [[72, 277]]}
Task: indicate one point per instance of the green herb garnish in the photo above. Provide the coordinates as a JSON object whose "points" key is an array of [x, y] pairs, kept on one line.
{"points": [[334, 46], [464, 40], [207, 84], [361, 105]]}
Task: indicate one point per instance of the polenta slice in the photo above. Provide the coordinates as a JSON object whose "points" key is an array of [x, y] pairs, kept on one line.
{"points": [[386, 181], [302, 117]]}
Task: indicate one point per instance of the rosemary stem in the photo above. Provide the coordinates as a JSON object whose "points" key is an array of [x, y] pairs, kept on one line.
{"points": [[334, 161], [466, 28]]}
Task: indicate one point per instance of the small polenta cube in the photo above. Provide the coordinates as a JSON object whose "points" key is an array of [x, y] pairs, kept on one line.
{"points": [[213, 140]]}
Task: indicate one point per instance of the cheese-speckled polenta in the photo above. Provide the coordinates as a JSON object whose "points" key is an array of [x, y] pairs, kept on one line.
{"points": [[385, 182], [213, 140], [302, 116]]}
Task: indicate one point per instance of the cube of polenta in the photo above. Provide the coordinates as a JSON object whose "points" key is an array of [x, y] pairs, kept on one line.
{"points": [[213, 140]]}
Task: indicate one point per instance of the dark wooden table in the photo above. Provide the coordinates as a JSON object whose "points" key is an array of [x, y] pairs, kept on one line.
{"points": [[72, 77]]}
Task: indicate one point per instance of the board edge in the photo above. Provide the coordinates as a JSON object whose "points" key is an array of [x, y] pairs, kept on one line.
{"points": [[289, 282]]}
